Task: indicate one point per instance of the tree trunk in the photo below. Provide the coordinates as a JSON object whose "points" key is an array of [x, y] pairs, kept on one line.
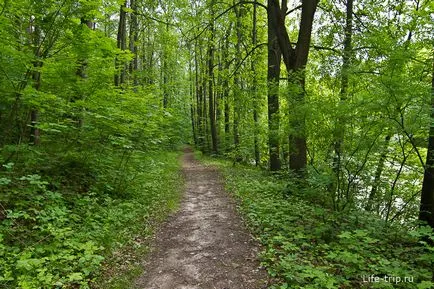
{"points": [[225, 88], [340, 125], [134, 28], [36, 77], [273, 77], [200, 131], [426, 213], [295, 61], [82, 72], [255, 90], [237, 85], [121, 44], [211, 105], [165, 73], [378, 173]]}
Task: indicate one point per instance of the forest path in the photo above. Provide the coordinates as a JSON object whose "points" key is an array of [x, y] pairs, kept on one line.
{"points": [[205, 245]]}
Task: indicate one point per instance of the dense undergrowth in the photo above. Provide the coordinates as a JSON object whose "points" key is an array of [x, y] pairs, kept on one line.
{"points": [[306, 245], [65, 215]]}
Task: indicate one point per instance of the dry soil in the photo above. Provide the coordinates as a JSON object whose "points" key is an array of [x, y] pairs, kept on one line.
{"points": [[205, 245]]}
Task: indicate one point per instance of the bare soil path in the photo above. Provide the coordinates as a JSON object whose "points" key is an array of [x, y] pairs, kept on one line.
{"points": [[205, 245]]}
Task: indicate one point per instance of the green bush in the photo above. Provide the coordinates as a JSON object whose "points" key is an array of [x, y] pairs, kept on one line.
{"points": [[309, 246], [56, 233]]}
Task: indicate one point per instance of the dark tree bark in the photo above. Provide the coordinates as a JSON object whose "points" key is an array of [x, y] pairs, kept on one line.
{"points": [[165, 74], [295, 61], [254, 86], [273, 77], [121, 44], [427, 198], [340, 124], [36, 77], [378, 173], [199, 102], [225, 88], [134, 37], [211, 102], [237, 84]]}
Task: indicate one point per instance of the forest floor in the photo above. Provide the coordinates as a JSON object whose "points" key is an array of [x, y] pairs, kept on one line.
{"points": [[205, 245]]}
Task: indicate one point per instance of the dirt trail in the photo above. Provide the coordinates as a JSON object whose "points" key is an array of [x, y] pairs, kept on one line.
{"points": [[205, 244]]}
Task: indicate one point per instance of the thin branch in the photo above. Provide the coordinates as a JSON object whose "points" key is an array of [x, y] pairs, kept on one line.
{"points": [[245, 57], [223, 13], [294, 9], [410, 138], [326, 48], [8, 78], [51, 25], [155, 19], [405, 205], [395, 181], [363, 47], [360, 21]]}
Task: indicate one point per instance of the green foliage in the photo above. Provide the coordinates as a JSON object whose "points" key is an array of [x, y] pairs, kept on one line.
{"points": [[309, 246], [58, 233]]}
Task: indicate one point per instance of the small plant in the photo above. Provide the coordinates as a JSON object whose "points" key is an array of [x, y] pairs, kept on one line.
{"points": [[309, 246]]}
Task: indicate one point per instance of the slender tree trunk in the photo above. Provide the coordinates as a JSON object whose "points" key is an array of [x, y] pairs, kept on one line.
{"points": [[207, 143], [200, 131], [218, 96], [255, 90], [427, 198], [121, 44], [211, 102], [378, 173], [225, 88], [237, 85], [192, 100], [165, 73], [134, 37], [340, 124], [273, 78], [82, 71], [36, 77]]}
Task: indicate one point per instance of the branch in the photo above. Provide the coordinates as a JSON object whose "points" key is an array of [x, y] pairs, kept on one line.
{"points": [[245, 57], [360, 21], [8, 78], [404, 206], [326, 48], [363, 47], [395, 181], [367, 72], [294, 9], [51, 26], [285, 43], [410, 138], [155, 19], [223, 13]]}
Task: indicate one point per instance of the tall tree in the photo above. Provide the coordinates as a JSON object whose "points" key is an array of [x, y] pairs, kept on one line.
{"points": [[427, 198], [273, 78], [211, 100], [36, 77], [237, 82], [226, 88], [121, 44], [295, 60], [339, 132], [254, 86], [134, 37]]}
